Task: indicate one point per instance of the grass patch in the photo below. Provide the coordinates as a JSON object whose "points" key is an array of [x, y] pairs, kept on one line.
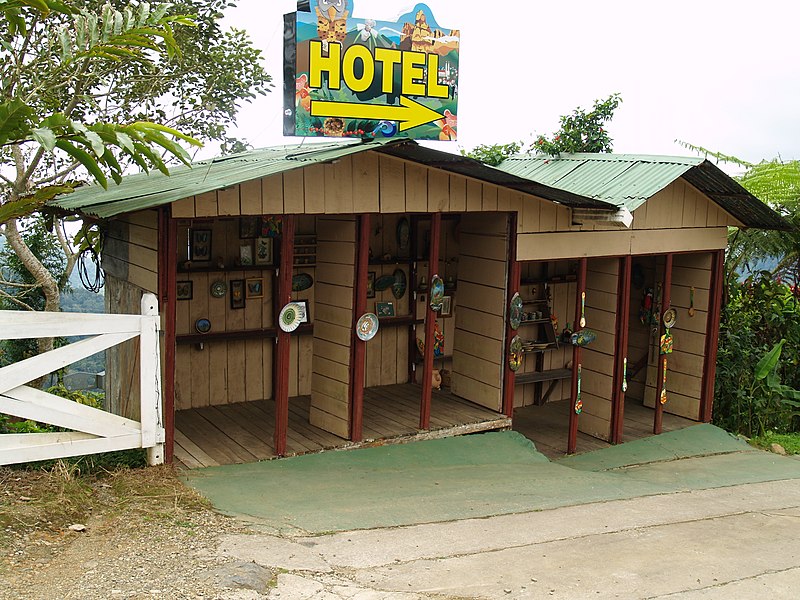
{"points": [[789, 441]]}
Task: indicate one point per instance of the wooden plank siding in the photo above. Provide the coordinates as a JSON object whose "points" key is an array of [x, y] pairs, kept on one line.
{"points": [[479, 326], [130, 250]]}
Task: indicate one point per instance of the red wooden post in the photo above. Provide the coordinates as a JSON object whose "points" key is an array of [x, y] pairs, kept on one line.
{"points": [[712, 334], [572, 440], [284, 296], [666, 299], [359, 353], [167, 283], [621, 349], [430, 322], [514, 269]]}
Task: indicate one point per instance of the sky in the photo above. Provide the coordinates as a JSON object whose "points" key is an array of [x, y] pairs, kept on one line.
{"points": [[724, 75]]}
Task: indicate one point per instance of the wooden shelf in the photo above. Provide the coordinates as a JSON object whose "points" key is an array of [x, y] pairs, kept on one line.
{"points": [[394, 321], [182, 269], [534, 322], [243, 334], [551, 375], [393, 261]]}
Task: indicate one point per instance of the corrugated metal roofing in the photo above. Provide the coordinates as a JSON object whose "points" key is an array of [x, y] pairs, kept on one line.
{"points": [[142, 191], [628, 181]]}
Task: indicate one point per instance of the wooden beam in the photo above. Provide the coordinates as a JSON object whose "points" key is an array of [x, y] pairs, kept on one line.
{"points": [[621, 352], [168, 275], [284, 339], [359, 353], [514, 273], [430, 323], [666, 299], [712, 335], [572, 439]]}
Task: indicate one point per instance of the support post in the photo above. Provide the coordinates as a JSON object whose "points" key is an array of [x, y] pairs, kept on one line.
{"points": [[167, 282], [283, 349], [430, 322], [712, 334], [359, 354], [150, 381], [572, 440], [621, 349], [514, 271], [666, 300]]}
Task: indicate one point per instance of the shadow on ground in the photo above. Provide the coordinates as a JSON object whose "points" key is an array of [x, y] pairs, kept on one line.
{"points": [[474, 476]]}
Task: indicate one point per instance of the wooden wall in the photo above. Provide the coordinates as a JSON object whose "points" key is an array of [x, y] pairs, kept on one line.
{"points": [[641, 341], [333, 324], [478, 354], [685, 364], [597, 370], [681, 205], [122, 361], [130, 250]]}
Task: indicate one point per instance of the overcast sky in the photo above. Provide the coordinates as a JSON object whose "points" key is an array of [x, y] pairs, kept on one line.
{"points": [[719, 74]]}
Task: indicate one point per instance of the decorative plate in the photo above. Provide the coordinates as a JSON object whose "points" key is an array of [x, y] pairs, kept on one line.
{"points": [[367, 326], [384, 282], [290, 317], [400, 283], [584, 337], [515, 312], [301, 282], [403, 237], [202, 325], [437, 292], [515, 354], [670, 317], [219, 288]]}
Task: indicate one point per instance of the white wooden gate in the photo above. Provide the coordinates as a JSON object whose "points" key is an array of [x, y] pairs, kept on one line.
{"points": [[94, 430]]}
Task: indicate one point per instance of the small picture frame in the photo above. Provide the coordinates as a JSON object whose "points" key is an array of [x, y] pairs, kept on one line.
{"points": [[237, 293], [384, 309], [184, 290], [447, 307], [370, 284], [263, 255], [255, 288], [249, 227], [246, 255], [306, 314], [200, 247]]}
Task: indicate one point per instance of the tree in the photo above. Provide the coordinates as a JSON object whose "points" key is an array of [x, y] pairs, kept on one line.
{"points": [[580, 131], [88, 90]]}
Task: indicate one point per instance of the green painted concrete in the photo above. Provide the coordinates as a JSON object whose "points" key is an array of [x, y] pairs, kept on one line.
{"points": [[462, 477]]}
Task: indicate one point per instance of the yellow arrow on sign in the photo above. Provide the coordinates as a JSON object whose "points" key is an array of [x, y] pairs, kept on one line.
{"points": [[410, 114]]}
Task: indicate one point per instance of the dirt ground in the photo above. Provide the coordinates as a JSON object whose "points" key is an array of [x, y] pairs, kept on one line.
{"points": [[146, 536]]}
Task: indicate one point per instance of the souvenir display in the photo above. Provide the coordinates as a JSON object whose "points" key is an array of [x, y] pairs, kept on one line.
{"points": [[403, 238], [400, 284], [515, 354], [384, 282], [219, 288], [437, 293], [237, 294], [624, 374], [584, 337], [691, 301], [367, 326], [578, 401], [583, 309], [301, 282], [291, 316], [663, 398], [438, 341], [515, 312], [670, 317], [202, 325], [665, 344]]}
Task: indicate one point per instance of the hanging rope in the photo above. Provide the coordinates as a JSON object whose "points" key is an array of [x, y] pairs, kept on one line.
{"points": [[94, 282]]}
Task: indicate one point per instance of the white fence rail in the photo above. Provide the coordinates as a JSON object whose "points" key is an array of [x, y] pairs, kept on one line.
{"points": [[94, 430]]}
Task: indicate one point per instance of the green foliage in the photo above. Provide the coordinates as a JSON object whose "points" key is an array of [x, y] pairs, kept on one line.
{"points": [[759, 351], [581, 131], [493, 154], [789, 441]]}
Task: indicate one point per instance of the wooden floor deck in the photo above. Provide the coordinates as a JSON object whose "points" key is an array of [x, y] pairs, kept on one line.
{"points": [[243, 432], [547, 426]]}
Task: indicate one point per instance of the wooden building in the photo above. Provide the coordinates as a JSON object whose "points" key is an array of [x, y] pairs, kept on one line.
{"points": [[606, 240]]}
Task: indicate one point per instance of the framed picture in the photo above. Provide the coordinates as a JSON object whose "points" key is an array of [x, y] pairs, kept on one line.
{"points": [[200, 247], [249, 227], [371, 284], [384, 309], [447, 307], [237, 293], [263, 251], [184, 290], [246, 255], [306, 314], [270, 226], [255, 288]]}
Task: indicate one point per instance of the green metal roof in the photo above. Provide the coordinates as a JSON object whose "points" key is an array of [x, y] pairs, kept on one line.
{"points": [[627, 180], [142, 190]]}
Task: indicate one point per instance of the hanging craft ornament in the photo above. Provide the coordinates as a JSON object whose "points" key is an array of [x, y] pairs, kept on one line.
{"points": [[583, 309], [437, 293], [367, 326], [665, 344], [515, 354], [670, 318], [664, 388], [584, 337], [578, 401], [400, 284], [291, 316], [515, 312], [691, 301], [438, 341], [624, 374]]}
